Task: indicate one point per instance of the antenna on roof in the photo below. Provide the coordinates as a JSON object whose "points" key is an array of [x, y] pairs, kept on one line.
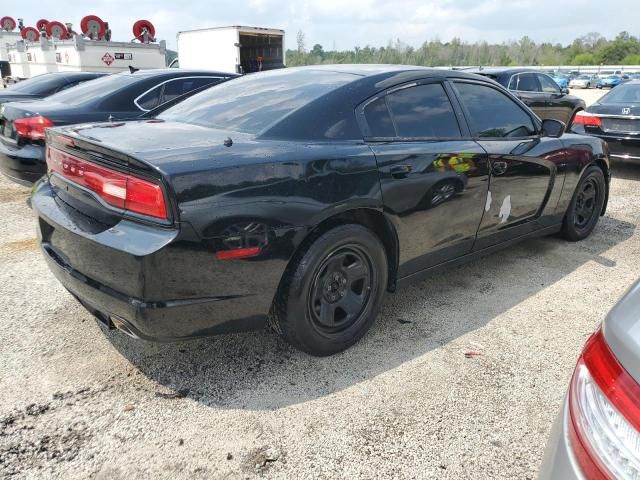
{"points": [[133, 69]]}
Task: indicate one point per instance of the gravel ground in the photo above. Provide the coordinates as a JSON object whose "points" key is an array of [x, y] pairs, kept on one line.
{"points": [[78, 401]]}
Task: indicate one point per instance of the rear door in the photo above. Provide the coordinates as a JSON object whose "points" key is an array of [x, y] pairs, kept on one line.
{"points": [[433, 176], [523, 164]]}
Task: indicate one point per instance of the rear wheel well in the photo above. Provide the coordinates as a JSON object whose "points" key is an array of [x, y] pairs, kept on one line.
{"points": [[372, 219]]}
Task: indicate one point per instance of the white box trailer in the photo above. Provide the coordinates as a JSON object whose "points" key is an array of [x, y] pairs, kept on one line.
{"points": [[232, 49], [28, 59]]}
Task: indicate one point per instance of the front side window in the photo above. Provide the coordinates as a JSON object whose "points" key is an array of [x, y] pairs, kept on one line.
{"points": [[492, 114], [548, 84]]}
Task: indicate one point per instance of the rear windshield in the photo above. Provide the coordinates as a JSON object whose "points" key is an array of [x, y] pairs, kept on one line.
{"points": [[253, 103], [93, 90], [40, 85], [622, 94]]}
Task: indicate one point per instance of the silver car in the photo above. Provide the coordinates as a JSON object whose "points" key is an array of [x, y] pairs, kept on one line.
{"points": [[584, 81], [597, 434]]}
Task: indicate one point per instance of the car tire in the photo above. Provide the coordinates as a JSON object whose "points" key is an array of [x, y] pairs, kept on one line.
{"points": [[586, 205], [332, 291]]}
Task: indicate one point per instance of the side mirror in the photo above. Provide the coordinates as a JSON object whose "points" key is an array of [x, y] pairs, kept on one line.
{"points": [[565, 91], [553, 128]]}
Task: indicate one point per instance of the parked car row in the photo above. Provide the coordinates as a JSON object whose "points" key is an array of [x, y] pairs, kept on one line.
{"points": [[539, 91], [118, 96]]}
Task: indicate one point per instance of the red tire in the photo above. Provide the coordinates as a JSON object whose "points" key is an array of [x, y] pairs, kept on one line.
{"points": [[142, 24], [41, 23], [93, 25], [7, 23], [30, 33], [57, 30]]}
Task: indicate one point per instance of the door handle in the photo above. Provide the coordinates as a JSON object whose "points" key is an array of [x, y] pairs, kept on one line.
{"points": [[499, 167], [400, 171]]}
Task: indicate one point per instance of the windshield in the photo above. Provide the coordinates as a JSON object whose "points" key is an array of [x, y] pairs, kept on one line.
{"points": [[257, 101], [627, 94], [40, 85], [584, 77], [93, 90]]}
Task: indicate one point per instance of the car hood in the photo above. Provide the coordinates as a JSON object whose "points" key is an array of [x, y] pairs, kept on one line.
{"points": [[622, 331], [615, 109]]}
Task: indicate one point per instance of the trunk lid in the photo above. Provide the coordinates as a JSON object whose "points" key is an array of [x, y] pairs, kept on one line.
{"points": [[149, 149], [618, 117]]}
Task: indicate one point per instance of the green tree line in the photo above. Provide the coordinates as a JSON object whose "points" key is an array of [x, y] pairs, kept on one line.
{"points": [[591, 49]]}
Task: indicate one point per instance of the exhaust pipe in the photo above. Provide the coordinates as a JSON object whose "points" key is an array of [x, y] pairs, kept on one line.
{"points": [[123, 326]]}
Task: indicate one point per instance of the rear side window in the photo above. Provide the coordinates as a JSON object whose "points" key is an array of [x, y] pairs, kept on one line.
{"points": [[151, 99], [379, 119], [413, 112], [525, 82], [493, 114], [423, 111], [180, 86]]}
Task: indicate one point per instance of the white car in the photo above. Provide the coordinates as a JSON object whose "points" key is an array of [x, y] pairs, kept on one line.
{"points": [[584, 81]]}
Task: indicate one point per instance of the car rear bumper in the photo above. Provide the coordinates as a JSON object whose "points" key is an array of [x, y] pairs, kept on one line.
{"points": [[24, 165], [135, 278], [559, 461], [623, 147]]}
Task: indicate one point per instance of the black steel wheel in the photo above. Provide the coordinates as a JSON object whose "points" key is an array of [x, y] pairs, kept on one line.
{"points": [[586, 202], [332, 291], [341, 289], [586, 205]]}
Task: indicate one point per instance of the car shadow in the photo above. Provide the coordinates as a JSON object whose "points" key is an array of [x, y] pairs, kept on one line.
{"points": [[258, 370], [626, 169]]}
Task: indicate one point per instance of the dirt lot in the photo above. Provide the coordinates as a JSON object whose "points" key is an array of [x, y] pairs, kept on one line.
{"points": [[77, 401]]}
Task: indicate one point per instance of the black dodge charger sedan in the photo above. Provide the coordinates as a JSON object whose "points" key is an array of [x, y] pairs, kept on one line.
{"points": [[45, 85], [616, 119], [300, 196], [539, 91], [117, 96]]}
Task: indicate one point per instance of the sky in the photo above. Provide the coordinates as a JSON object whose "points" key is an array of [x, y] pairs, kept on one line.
{"points": [[344, 24]]}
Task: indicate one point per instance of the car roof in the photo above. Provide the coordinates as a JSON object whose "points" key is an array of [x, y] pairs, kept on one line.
{"points": [[502, 70], [173, 71], [381, 71]]}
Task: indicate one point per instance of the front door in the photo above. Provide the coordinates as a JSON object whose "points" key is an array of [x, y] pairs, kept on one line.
{"points": [[434, 182], [522, 170]]}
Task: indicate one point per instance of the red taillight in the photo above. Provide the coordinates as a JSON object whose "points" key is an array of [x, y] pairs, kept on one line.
{"points": [[587, 119], [115, 188], [238, 253], [604, 406], [32, 127]]}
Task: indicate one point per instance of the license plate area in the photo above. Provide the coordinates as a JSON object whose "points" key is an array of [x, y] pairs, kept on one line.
{"points": [[621, 125]]}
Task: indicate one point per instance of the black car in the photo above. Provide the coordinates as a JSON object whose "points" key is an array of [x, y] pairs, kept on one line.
{"points": [[616, 119], [301, 196], [539, 91], [45, 85], [114, 97]]}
